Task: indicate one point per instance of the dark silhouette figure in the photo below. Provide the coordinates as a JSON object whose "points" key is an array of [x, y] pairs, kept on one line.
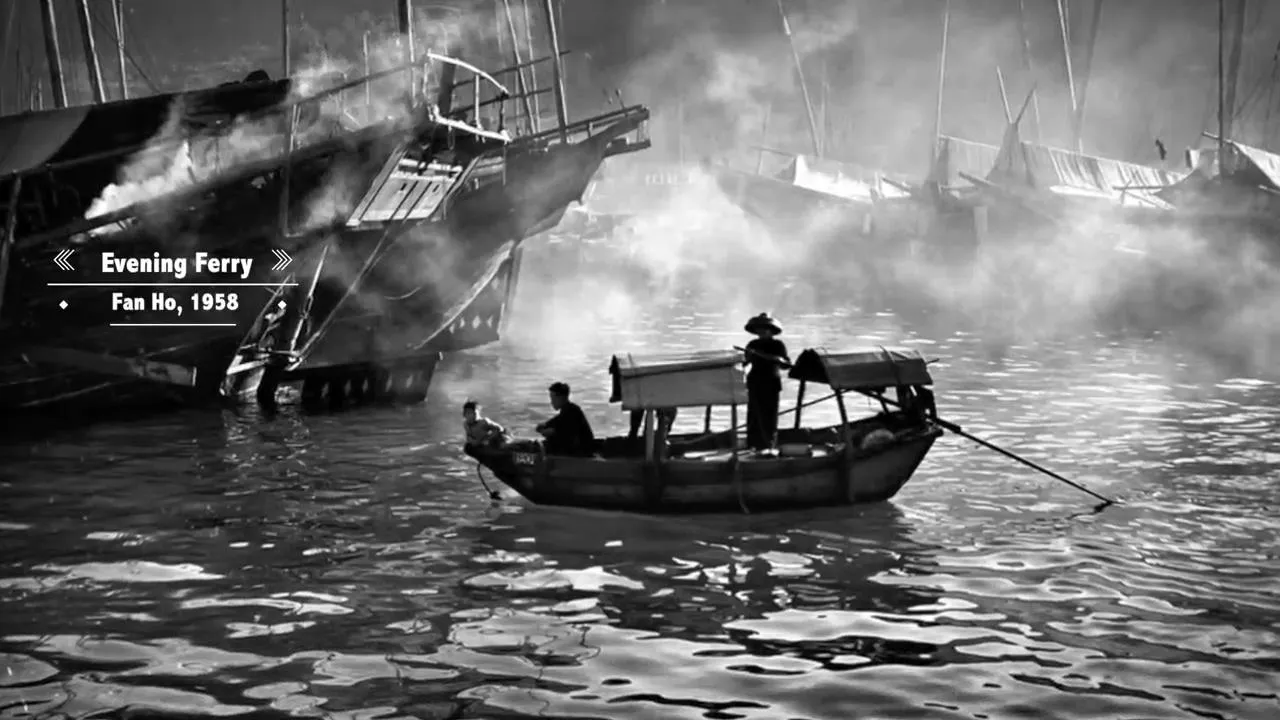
{"points": [[767, 356], [569, 432]]}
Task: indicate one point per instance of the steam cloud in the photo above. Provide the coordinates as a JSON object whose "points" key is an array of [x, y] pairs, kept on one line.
{"points": [[174, 160], [1089, 277]]}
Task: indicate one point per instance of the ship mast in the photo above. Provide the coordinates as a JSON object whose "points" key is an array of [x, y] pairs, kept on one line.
{"points": [[804, 87], [285, 38], [404, 18], [1066, 54], [90, 51], [1231, 73], [942, 77], [54, 53], [1222, 90], [1078, 121], [117, 11], [557, 69], [1029, 64]]}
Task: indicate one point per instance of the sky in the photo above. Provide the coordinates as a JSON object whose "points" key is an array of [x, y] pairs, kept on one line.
{"points": [[712, 70]]}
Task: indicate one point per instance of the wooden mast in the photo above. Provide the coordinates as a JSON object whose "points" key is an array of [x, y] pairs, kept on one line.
{"points": [[286, 39], [54, 53], [1066, 54], [1222, 91], [942, 80], [804, 87], [90, 51], [525, 90], [1077, 126], [117, 7], [533, 69], [1232, 70], [404, 19], [557, 69], [1029, 63], [7, 43]]}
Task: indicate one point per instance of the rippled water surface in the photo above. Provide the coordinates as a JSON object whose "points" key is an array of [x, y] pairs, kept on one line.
{"points": [[349, 565]]}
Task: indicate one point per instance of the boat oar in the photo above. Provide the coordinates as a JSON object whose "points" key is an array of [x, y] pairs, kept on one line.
{"points": [[952, 427]]}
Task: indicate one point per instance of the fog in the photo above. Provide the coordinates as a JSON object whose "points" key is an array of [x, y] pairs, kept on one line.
{"points": [[1092, 277]]}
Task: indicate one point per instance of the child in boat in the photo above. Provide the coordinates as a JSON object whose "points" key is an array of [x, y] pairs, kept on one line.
{"points": [[767, 356], [480, 430]]}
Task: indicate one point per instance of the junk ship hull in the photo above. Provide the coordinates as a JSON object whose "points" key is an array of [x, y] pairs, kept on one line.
{"points": [[330, 193]]}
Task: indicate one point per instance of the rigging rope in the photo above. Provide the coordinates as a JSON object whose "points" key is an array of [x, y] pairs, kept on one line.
{"points": [[128, 55]]}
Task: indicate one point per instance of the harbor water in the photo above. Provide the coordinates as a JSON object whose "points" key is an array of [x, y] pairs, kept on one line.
{"points": [[350, 564]]}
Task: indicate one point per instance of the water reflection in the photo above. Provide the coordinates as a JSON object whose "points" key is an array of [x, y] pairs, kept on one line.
{"points": [[350, 565]]}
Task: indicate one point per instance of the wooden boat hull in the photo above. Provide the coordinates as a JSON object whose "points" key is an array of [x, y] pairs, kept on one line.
{"points": [[707, 484]]}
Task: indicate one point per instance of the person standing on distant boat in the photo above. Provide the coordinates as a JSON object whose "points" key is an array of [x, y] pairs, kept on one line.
{"points": [[569, 432], [767, 356]]}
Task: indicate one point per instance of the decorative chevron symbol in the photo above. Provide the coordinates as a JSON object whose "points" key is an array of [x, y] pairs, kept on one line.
{"points": [[282, 260], [61, 259]]}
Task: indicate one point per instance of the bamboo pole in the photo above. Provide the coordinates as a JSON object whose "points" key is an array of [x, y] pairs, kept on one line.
{"points": [[1066, 54], [1028, 63], [54, 53], [1078, 118], [804, 87]]}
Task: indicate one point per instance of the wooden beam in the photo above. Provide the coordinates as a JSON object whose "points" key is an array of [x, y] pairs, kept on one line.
{"points": [[54, 53], [152, 370]]}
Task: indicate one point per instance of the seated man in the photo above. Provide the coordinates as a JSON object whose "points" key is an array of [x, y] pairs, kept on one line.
{"points": [[480, 430], [568, 433]]}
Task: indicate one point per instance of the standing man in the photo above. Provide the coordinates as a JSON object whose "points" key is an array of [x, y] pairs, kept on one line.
{"points": [[767, 356]]}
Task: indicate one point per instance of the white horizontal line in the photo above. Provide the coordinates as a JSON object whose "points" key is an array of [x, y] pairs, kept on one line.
{"points": [[173, 324], [176, 284]]}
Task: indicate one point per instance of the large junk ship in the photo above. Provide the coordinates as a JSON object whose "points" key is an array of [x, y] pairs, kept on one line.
{"points": [[402, 222]]}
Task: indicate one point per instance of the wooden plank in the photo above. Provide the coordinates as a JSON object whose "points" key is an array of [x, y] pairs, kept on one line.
{"points": [[161, 372]]}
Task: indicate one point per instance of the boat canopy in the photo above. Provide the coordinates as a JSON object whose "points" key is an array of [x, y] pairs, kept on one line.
{"points": [[690, 379], [862, 369]]}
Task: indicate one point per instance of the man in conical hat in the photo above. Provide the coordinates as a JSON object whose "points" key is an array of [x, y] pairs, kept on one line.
{"points": [[767, 356]]}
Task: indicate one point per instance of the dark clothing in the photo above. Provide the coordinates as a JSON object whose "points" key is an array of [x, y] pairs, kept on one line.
{"points": [[764, 385], [572, 434], [666, 418]]}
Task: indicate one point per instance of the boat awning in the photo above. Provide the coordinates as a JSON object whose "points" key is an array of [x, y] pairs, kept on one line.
{"points": [[691, 379], [862, 369], [30, 140]]}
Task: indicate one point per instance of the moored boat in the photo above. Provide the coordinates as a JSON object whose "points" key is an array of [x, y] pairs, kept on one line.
{"points": [[855, 461]]}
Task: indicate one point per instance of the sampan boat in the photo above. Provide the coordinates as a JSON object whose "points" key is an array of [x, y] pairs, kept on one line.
{"points": [[856, 461]]}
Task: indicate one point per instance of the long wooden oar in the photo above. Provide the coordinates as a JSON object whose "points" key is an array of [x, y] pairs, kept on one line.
{"points": [[952, 427]]}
